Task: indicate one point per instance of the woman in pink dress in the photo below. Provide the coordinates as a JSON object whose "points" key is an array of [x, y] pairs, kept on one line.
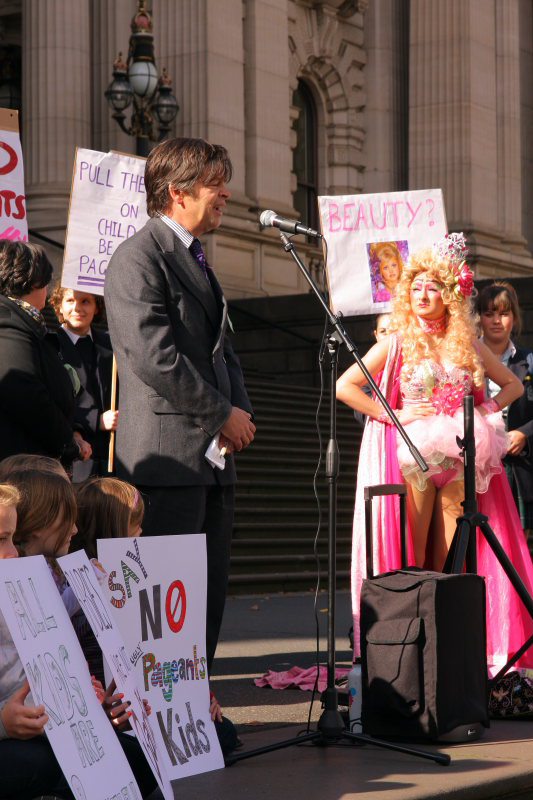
{"points": [[429, 362]]}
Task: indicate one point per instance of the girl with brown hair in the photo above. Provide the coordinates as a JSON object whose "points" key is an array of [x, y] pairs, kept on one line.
{"points": [[45, 525], [501, 322], [108, 508]]}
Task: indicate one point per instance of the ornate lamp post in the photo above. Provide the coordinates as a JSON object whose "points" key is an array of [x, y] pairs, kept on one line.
{"points": [[136, 81]]}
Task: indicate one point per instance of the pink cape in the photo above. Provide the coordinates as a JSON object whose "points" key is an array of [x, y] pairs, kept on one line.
{"points": [[508, 623]]}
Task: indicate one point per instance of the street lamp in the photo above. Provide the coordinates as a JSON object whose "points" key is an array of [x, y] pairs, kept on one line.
{"points": [[136, 81]]}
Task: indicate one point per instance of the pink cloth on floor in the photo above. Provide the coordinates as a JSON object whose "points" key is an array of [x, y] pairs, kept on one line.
{"points": [[299, 678]]}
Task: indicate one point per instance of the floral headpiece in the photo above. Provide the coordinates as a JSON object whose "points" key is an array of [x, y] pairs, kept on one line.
{"points": [[452, 248]]}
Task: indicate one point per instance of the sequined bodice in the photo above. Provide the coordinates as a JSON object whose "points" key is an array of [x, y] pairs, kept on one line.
{"points": [[444, 385]]}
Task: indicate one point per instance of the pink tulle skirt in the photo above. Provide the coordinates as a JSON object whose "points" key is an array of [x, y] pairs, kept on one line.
{"points": [[436, 439]]}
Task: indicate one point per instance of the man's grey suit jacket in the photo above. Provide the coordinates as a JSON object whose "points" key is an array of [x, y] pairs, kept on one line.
{"points": [[178, 374]]}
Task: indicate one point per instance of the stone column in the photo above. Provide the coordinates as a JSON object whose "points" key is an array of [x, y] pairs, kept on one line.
{"points": [[386, 44], [508, 118], [110, 26], [56, 103], [452, 125], [526, 117], [268, 125], [200, 44], [461, 66], [180, 37]]}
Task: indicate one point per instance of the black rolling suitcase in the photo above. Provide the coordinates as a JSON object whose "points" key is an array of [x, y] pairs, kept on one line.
{"points": [[423, 649]]}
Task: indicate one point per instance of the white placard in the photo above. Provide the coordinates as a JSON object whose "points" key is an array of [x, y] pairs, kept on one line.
{"points": [[81, 735], [158, 590], [94, 603], [13, 220], [361, 269], [107, 206]]}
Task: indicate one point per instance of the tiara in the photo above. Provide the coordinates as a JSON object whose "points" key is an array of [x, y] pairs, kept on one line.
{"points": [[452, 248]]}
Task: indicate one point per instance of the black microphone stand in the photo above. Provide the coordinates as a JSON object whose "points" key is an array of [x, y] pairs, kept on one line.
{"points": [[331, 726], [463, 547]]}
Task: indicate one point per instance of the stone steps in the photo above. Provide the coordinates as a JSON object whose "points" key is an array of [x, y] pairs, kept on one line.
{"points": [[276, 515]]}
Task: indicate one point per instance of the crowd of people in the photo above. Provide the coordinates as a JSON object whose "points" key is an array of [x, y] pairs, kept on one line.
{"points": [[38, 516], [181, 388]]}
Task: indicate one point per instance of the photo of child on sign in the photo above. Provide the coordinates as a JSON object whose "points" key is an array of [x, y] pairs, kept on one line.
{"points": [[386, 261]]}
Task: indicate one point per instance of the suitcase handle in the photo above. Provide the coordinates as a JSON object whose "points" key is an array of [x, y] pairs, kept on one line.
{"points": [[383, 490]]}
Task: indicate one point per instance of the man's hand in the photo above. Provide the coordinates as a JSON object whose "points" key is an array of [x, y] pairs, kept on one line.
{"points": [[20, 721], [239, 428]]}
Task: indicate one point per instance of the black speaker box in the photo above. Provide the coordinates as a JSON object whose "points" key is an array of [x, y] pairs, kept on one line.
{"points": [[423, 654]]}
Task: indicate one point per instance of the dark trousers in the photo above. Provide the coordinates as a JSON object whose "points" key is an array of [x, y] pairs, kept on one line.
{"points": [[197, 509], [30, 769]]}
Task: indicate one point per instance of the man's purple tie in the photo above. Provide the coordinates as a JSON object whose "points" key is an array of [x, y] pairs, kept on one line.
{"points": [[196, 250]]}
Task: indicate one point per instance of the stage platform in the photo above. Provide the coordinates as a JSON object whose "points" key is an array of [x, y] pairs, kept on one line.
{"points": [[276, 632]]}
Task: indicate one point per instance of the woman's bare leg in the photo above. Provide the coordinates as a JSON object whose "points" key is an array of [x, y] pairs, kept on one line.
{"points": [[447, 508], [419, 512]]}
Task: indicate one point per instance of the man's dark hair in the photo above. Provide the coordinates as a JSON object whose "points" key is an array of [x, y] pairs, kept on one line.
{"points": [[23, 267], [181, 163]]}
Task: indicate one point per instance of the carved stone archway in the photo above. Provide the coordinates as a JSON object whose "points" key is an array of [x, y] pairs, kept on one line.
{"points": [[326, 51]]}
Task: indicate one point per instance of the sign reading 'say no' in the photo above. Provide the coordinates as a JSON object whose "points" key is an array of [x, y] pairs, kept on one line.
{"points": [[107, 205]]}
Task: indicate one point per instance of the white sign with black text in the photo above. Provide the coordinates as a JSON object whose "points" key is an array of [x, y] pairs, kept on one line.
{"points": [[81, 735], [84, 579], [158, 590]]}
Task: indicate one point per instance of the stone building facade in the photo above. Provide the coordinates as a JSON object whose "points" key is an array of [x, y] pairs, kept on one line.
{"points": [[398, 94]]}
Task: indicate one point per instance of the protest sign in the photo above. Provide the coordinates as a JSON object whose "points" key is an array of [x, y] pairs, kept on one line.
{"points": [[94, 603], [158, 589], [81, 736], [107, 206], [369, 238], [13, 220]]}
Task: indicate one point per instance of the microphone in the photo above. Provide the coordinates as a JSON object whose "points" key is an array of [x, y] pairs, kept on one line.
{"points": [[269, 219]]}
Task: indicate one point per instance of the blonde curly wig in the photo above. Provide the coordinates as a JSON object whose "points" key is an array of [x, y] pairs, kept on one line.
{"points": [[460, 331]]}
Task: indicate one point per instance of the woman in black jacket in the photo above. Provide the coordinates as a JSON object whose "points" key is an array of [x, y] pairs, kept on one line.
{"points": [[37, 390], [499, 311]]}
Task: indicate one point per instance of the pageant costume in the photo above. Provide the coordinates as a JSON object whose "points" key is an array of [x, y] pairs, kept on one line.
{"points": [[508, 624], [435, 437]]}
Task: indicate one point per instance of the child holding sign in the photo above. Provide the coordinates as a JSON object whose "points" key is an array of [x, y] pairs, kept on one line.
{"points": [[29, 766], [45, 526], [109, 508]]}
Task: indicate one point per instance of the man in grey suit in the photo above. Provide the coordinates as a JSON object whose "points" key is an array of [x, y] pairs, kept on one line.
{"points": [[180, 381]]}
